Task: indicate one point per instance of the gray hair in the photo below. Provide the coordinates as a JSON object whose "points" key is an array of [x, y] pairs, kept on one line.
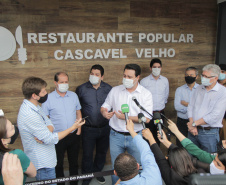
{"points": [[213, 68], [192, 68]]}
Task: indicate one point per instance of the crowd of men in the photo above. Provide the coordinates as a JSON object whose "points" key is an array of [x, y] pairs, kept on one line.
{"points": [[47, 132]]}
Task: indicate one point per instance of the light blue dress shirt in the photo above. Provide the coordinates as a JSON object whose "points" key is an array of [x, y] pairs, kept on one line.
{"points": [[209, 105], [183, 93], [32, 122], [159, 89], [150, 173], [62, 110]]}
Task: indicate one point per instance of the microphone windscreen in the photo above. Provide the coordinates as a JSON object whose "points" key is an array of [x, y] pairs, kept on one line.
{"points": [[156, 115], [141, 118], [140, 115], [125, 108]]}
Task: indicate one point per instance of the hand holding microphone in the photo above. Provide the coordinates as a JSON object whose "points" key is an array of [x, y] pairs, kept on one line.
{"points": [[158, 122], [125, 111], [142, 119]]}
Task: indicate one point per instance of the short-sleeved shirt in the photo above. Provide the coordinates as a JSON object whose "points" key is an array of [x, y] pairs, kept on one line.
{"points": [[91, 100], [120, 95], [61, 110], [24, 160]]}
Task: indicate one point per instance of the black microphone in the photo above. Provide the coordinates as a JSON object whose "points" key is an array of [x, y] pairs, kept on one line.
{"points": [[158, 121], [142, 108], [142, 119], [137, 103]]}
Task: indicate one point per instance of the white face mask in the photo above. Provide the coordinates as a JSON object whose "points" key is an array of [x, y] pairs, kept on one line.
{"points": [[63, 87], [94, 79], [215, 170], [205, 81], [156, 71], [222, 76], [128, 83]]}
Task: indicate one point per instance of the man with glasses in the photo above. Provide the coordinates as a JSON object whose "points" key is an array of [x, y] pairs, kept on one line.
{"points": [[182, 98], [206, 110]]}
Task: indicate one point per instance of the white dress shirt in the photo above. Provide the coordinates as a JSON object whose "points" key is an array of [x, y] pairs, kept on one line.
{"points": [[159, 89], [183, 93], [209, 105], [120, 95]]}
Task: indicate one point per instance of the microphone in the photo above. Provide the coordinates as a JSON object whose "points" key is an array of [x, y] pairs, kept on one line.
{"points": [[125, 110], [142, 108], [137, 103], [158, 121], [142, 119]]}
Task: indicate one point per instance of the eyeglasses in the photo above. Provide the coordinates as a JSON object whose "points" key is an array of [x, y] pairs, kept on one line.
{"points": [[207, 76]]}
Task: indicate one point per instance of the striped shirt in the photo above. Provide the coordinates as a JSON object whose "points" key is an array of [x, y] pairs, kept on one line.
{"points": [[209, 105], [33, 122]]}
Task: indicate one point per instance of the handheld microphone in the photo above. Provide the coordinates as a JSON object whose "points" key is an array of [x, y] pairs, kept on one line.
{"points": [[125, 110], [158, 121], [142, 119]]}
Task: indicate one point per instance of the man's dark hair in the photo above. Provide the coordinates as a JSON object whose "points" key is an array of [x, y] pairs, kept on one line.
{"points": [[134, 67], [56, 76], [223, 67], [155, 60], [192, 68], [32, 85], [98, 67], [125, 166]]}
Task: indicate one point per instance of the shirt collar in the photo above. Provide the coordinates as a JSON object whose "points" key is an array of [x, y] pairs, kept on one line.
{"points": [[215, 88], [131, 181], [58, 96], [138, 89], [195, 86], [152, 78], [27, 102], [89, 85]]}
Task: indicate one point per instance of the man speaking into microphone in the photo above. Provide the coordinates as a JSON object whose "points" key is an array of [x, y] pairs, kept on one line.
{"points": [[120, 139]]}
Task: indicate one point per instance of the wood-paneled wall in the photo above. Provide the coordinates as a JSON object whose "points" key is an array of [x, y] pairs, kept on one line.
{"points": [[195, 17]]}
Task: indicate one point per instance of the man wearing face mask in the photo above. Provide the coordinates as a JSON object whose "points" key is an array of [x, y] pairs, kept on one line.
{"points": [[120, 138], [182, 98], [95, 132], [206, 110], [158, 85], [222, 76], [222, 81], [63, 108], [36, 129]]}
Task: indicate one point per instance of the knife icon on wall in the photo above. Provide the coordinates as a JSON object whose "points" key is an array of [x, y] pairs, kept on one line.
{"points": [[22, 53]]}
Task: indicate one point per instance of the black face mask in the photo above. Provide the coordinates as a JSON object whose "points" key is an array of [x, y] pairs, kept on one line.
{"points": [[189, 79], [14, 137], [43, 98]]}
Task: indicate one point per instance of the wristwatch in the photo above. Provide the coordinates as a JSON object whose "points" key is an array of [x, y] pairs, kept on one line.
{"points": [[193, 124]]}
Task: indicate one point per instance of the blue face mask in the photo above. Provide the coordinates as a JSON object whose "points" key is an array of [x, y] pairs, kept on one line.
{"points": [[222, 76], [205, 81]]}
